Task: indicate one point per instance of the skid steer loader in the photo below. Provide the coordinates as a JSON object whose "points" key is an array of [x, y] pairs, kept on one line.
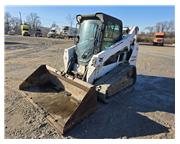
{"points": [[101, 63]]}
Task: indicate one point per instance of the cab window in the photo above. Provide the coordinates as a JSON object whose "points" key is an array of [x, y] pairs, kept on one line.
{"points": [[112, 35]]}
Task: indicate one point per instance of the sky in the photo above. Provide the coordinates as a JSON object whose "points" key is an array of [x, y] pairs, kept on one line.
{"points": [[141, 16]]}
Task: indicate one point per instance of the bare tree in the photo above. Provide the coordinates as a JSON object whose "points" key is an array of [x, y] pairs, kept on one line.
{"points": [[158, 27], [15, 24], [7, 18], [167, 26], [54, 25], [34, 21], [172, 26], [150, 29], [172, 29], [70, 19], [163, 26]]}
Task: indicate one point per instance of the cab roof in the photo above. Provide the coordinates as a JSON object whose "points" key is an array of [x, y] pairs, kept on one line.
{"points": [[160, 33], [101, 16]]}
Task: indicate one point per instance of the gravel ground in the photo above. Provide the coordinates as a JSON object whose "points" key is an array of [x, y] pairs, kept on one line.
{"points": [[146, 111]]}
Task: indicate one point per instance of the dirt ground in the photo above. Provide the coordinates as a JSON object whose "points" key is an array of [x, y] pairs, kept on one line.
{"points": [[147, 112]]}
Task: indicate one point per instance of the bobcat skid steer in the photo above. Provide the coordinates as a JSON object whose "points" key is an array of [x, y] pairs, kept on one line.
{"points": [[101, 63]]}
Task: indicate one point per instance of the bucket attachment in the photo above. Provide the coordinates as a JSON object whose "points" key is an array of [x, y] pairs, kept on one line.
{"points": [[66, 100]]}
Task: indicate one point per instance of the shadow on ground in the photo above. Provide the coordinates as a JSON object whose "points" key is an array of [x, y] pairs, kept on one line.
{"points": [[12, 43], [121, 116]]}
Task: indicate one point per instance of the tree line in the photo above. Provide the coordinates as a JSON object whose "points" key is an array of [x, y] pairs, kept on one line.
{"points": [[166, 26], [13, 23]]}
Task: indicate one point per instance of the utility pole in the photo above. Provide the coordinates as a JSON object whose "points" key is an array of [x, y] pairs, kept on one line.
{"points": [[20, 18]]}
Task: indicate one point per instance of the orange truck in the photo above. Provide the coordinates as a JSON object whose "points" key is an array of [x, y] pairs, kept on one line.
{"points": [[159, 38]]}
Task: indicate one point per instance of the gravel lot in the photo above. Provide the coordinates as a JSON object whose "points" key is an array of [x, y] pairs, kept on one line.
{"points": [[148, 111]]}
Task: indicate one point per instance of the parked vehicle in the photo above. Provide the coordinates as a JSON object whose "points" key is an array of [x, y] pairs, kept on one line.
{"points": [[25, 30], [54, 33], [159, 38], [11, 32], [68, 32], [38, 33]]}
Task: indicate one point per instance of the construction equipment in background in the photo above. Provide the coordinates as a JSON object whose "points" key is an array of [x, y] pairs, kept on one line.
{"points": [[68, 32], [54, 32], [38, 33], [65, 32], [159, 38], [24, 27], [11, 32], [25, 30], [100, 64]]}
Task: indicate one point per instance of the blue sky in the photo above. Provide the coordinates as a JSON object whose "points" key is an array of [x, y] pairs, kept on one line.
{"points": [[141, 16]]}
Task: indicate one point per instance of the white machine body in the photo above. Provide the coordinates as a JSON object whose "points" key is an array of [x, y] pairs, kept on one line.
{"points": [[96, 67]]}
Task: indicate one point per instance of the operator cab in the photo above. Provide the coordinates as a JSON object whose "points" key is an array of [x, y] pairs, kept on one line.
{"points": [[97, 32]]}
